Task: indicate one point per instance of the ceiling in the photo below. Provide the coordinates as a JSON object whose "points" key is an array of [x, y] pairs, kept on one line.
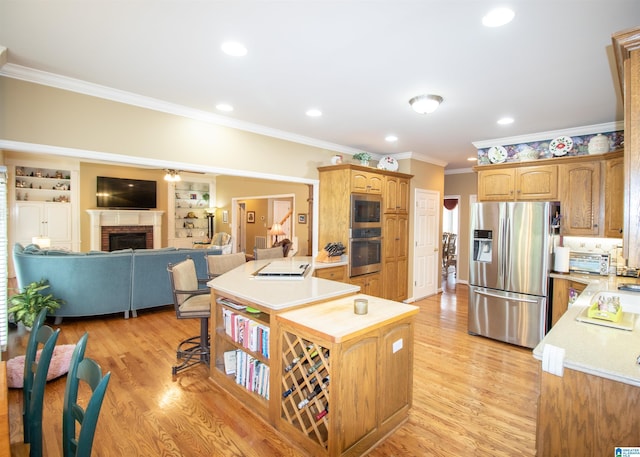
{"points": [[359, 62]]}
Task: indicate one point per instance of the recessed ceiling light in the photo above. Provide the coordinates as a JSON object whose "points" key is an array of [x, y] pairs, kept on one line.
{"points": [[314, 113], [224, 107], [505, 121], [233, 48], [498, 17], [391, 138]]}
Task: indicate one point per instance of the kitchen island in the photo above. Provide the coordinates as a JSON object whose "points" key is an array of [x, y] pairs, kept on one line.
{"points": [[589, 396], [293, 351]]}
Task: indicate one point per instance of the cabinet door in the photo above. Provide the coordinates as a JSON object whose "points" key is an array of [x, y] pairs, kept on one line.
{"points": [[338, 273], [580, 198], [496, 185], [395, 257], [365, 182], [614, 198], [396, 195], [396, 354], [537, 183], [58, 221], [28, 222]]}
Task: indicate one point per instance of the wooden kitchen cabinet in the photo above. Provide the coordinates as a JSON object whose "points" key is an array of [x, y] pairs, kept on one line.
{"points": [[613, 197], [366, 182], [370, 284], [581, 414], [396, 195], [561, 294], [518, 183], [626, 46], [580, 198], [337, 273], [395, 256]]}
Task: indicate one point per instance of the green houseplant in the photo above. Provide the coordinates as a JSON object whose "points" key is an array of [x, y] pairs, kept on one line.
{"points": [[26, 305], [363, 157]]}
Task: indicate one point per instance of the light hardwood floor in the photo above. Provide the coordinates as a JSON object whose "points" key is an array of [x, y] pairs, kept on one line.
{"points": [[472, 396]]}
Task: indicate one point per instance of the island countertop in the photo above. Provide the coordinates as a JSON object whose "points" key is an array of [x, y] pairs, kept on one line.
{"points": [[336, 321], [279, 294]]}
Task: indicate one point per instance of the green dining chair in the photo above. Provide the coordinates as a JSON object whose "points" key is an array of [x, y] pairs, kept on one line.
{"points": [[29, 359], [79, 443], [48, 337]]}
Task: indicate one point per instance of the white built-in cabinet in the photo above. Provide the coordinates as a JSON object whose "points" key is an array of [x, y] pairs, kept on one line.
{"points": [[188, 201], [43, 202]]}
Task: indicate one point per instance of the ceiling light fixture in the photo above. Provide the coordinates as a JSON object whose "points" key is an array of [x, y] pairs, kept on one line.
{"points": [[224, 107], [498, 17], [425, 104], [314, 113], [391, 138], [505, 121], [172, 175], [234, 49]]}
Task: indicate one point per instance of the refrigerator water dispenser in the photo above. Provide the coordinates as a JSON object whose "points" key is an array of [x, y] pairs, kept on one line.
{"points": [[482, 245]]}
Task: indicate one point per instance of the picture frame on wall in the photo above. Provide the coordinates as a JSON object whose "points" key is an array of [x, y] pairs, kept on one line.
{"points": [[302, 218], [251, 217]]}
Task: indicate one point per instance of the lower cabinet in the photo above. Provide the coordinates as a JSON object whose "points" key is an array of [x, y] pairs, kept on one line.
{"points": [[370, 284], [49, 219], [585, 415], [341, 396], [338, 273], [395, 256], [564, 290]]}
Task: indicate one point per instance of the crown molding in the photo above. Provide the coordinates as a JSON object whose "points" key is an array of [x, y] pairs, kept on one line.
{"points": [[95, 90], [530, 138], [458, 171]]}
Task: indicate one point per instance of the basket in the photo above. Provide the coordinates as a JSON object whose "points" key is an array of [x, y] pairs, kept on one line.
{"points": [[596, 313]]}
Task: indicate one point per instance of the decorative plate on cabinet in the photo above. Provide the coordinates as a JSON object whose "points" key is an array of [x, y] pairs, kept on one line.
{"points": [[561, 145], [497, 154], [388, 163]]}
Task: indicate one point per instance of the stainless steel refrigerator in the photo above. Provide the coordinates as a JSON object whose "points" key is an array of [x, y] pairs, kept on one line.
{"points": [[511, 245]]}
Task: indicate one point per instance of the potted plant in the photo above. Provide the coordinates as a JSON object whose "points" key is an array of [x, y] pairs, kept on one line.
{"points": [[363, 157], [26, 305]]}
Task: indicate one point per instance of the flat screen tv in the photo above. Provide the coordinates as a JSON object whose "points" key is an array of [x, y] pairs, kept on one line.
{"points": [[122, 193]]}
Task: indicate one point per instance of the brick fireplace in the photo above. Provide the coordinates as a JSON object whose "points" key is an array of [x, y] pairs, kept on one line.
{"points": [[114, 238], [118, 222]]}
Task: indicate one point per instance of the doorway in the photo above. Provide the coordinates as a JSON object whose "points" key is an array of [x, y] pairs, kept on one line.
{"points": [[425, 256], [450, 234]]}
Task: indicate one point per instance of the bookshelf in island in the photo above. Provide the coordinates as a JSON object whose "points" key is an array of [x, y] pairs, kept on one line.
{"points": [[293, 351]]}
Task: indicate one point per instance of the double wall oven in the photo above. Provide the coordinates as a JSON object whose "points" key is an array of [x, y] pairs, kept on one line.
{"points": [[365, 234]]}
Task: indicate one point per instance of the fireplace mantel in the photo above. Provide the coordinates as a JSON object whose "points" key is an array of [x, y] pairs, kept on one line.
{"points": [[114, 217]]}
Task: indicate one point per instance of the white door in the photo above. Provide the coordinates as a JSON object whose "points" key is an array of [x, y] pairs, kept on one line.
{"points": [[426, 272], [58, 222]]}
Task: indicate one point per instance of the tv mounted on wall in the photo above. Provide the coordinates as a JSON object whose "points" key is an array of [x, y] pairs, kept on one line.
{"points": [[121, 193]]}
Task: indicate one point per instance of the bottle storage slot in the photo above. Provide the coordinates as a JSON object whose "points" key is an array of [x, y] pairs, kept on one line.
{"points": [[305, 387]]}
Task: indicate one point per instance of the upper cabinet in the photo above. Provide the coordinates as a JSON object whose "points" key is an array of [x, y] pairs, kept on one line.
{"points": [[396, 194], [366, 182], [626, 46], [588, 187], [580, 198], [513, 183]]}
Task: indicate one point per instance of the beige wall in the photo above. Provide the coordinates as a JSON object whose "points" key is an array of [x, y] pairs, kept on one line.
{"points": [[464, 185], [38, 114], [426, 176]]}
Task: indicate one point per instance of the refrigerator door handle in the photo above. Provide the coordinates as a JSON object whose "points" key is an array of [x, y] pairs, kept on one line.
{"points": [[489, 294]]}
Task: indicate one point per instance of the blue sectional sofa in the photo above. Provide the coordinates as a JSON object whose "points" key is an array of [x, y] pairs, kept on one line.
{"points": [[96, 283]]}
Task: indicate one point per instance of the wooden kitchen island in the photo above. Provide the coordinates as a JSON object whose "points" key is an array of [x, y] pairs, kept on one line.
{"points": [[333, 382]]}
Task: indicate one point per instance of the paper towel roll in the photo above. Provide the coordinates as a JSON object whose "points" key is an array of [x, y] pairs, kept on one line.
{"points": [[561, 261]]}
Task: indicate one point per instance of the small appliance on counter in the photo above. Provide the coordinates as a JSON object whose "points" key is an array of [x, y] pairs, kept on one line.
{"points": [[594, 263]]}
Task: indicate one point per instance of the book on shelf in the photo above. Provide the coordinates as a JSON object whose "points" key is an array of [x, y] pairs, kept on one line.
{"points": [[252, 374], [230, 362], [246, 332]]}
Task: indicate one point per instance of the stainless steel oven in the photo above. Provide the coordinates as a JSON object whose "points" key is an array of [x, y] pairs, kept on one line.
{"points": [[365, 211], [365, 251]]}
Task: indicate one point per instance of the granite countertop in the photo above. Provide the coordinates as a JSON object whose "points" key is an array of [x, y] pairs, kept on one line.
{"points": [[594, 349], [279, 294]]}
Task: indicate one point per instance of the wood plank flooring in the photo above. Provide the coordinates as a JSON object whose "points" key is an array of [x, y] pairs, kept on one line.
{"points": [[472, 396]]}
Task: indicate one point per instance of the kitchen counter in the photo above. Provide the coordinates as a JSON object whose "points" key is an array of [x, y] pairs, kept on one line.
{"points": [[280, 294], [593, 349]]}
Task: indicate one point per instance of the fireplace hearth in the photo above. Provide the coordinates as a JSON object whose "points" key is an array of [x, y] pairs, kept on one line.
{"points": [[115, 238]]}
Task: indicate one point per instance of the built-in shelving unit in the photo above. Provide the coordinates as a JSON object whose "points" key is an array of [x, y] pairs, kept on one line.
{"points": [[188, 201]]}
